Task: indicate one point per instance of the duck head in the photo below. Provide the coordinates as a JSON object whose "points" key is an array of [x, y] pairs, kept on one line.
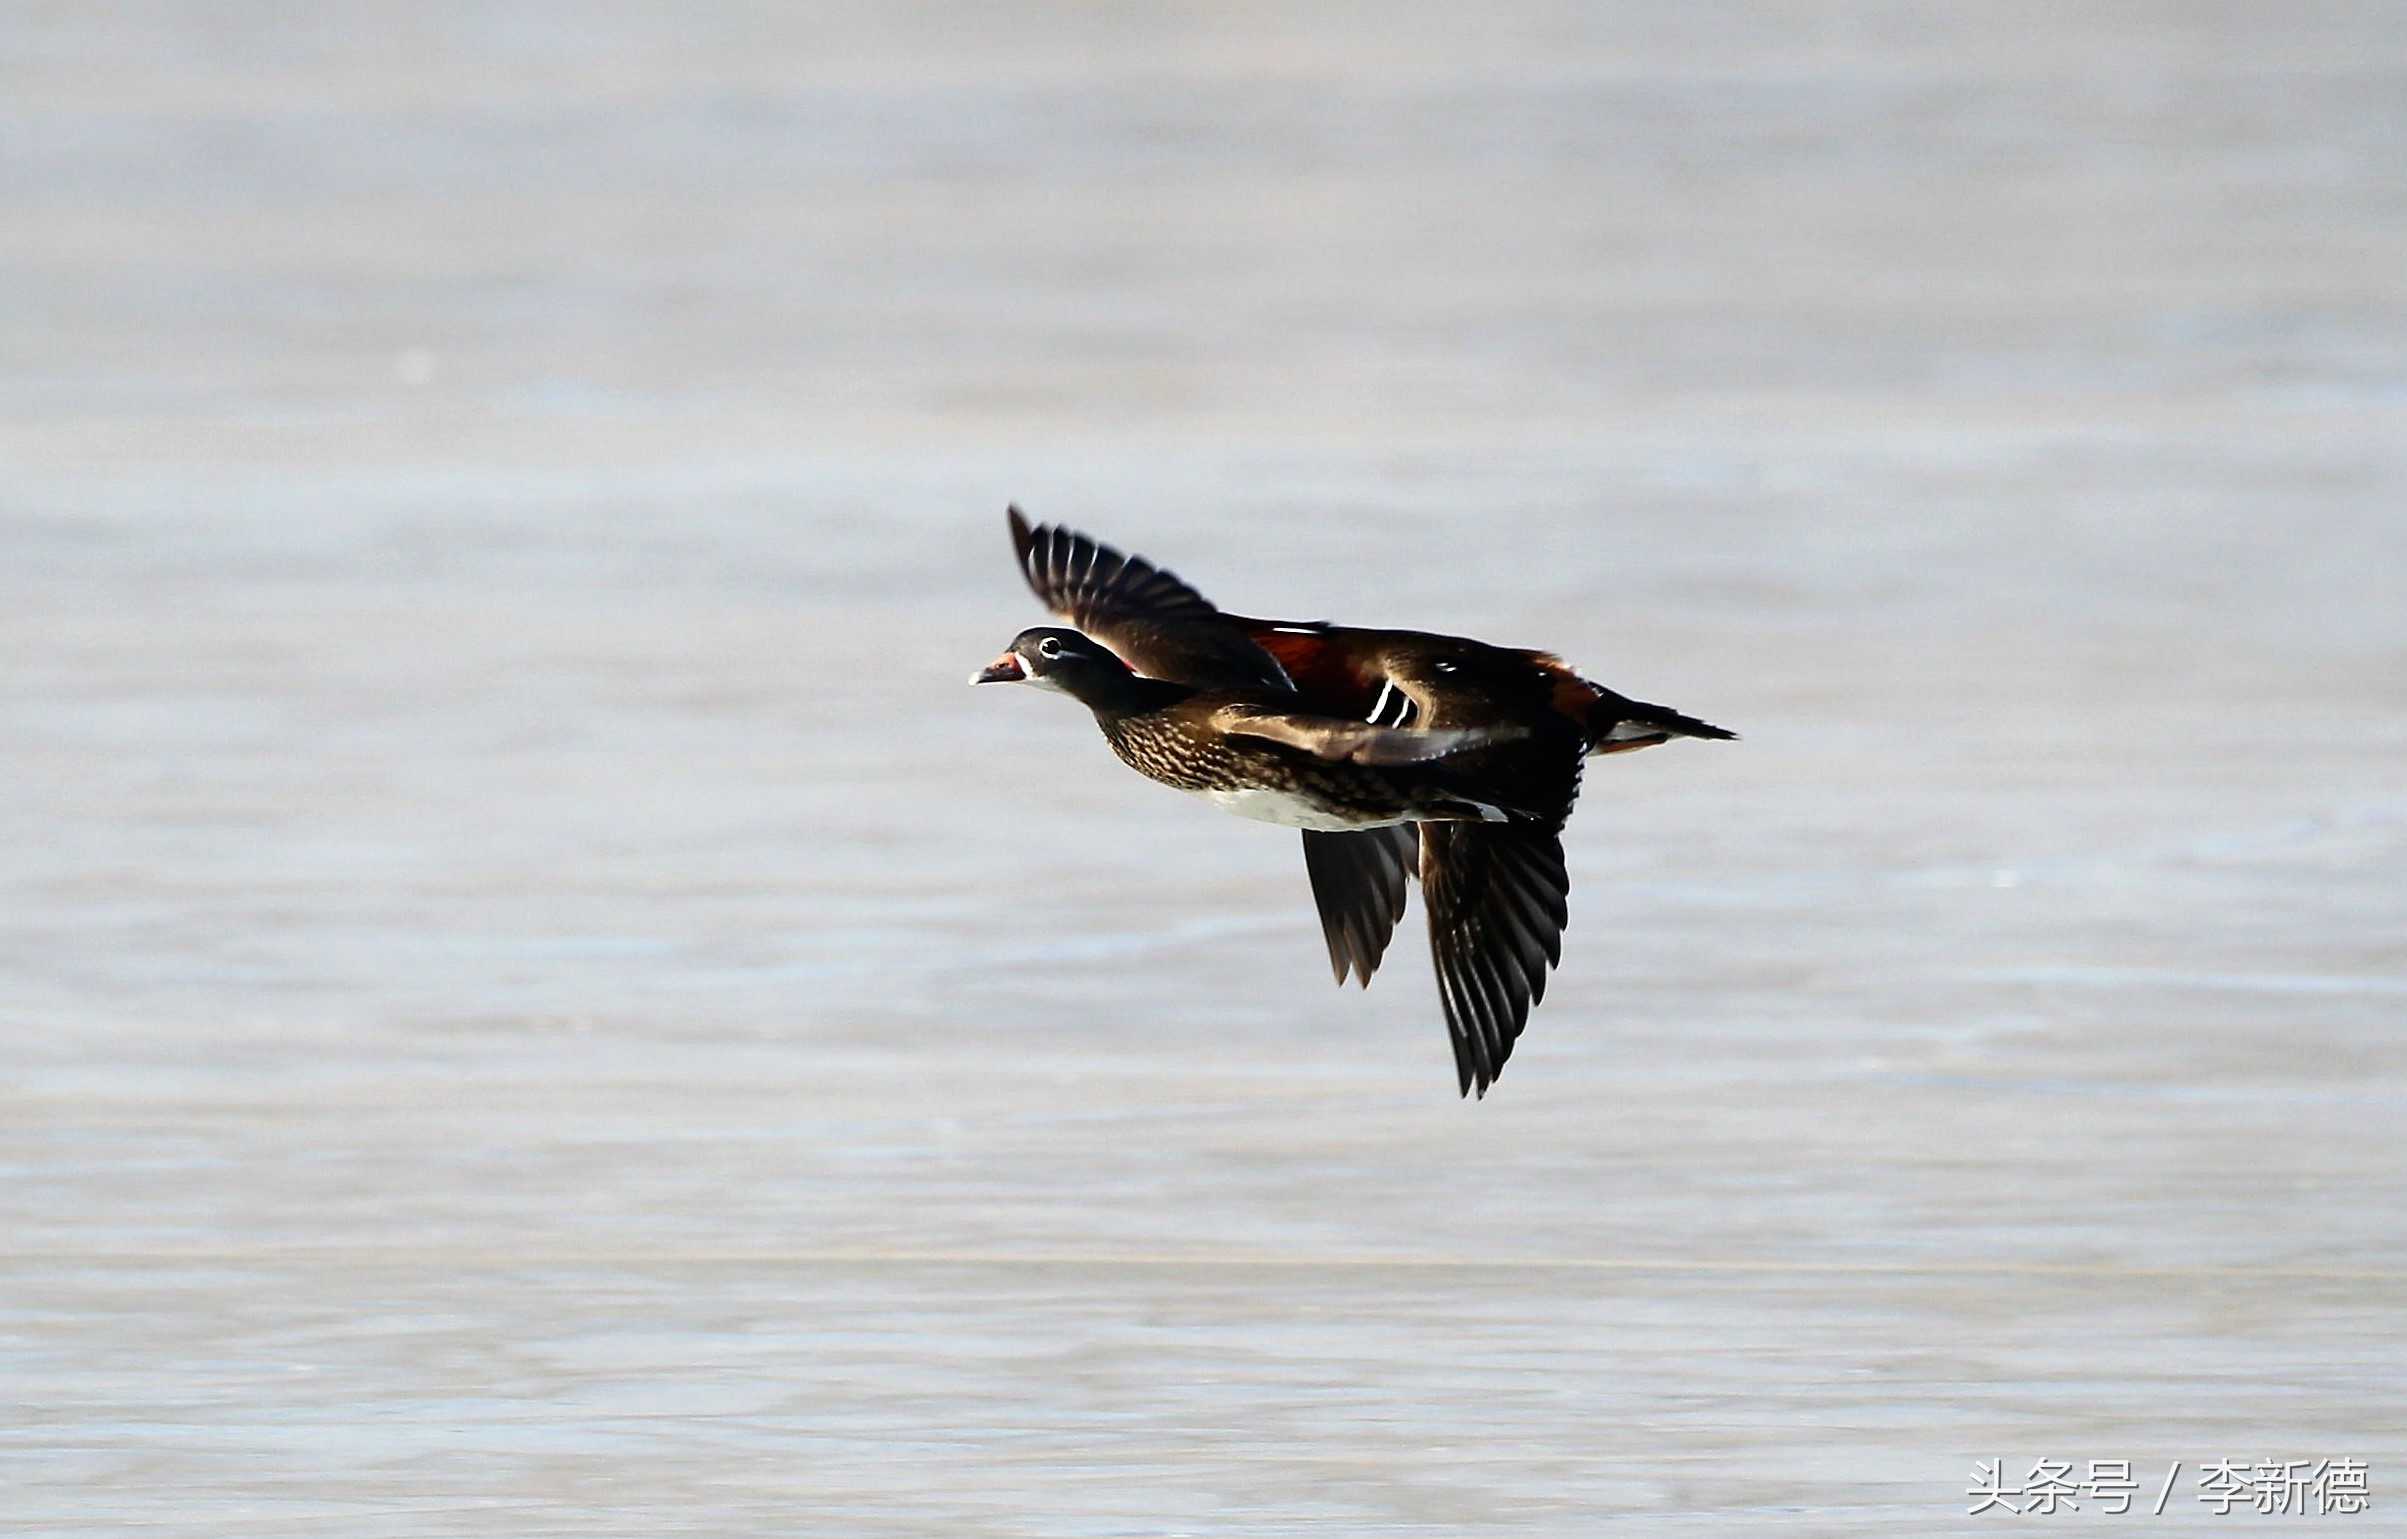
{"points": [[1051, 657]]}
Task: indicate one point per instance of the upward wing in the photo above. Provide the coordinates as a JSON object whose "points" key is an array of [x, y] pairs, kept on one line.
{"points": [[1358, 885], [1497, 896], [1156, 623]]}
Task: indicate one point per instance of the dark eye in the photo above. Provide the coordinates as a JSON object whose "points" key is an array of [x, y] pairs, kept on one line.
{"points": [[1049, 647]]}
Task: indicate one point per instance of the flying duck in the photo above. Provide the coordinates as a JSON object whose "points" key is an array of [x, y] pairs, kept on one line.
{"points": [[1398, 753]]}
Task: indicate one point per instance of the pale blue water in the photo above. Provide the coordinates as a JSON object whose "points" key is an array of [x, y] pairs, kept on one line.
{"points": [[538, 1003]]}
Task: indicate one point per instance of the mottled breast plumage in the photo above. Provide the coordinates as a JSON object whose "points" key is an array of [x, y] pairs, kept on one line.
{"points": [[1267, 782]]}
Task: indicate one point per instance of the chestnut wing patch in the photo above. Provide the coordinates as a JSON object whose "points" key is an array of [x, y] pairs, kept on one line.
{"points": [[1327, 669]]}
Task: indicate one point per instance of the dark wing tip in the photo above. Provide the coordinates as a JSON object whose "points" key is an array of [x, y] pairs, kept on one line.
{"points": [[1496, 895], [1023, 545]]}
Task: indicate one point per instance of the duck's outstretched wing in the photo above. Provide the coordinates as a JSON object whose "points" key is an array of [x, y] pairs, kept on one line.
{"points": [[1337, 737], [1358, 881], [1154, 622], [1498, 898]]}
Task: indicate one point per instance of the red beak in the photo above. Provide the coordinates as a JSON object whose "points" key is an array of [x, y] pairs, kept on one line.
{"points": [[1003, 670]]}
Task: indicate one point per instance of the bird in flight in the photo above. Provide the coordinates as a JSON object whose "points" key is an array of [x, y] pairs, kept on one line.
{"points": [[1400, 754]]}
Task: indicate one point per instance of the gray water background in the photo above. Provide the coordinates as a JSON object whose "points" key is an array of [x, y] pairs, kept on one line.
{"points": [[533, 1001]]}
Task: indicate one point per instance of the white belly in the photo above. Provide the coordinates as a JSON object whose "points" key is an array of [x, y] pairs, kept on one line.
{"points": [[1285, 810]]}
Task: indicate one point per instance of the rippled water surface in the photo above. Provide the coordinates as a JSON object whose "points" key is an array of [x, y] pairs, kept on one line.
{"points": [[536, 1001]]}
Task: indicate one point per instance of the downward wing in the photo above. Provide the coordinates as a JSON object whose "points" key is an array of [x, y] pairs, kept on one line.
{"points": [[1498, 900], [1154, 622], [1358, 885]]}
